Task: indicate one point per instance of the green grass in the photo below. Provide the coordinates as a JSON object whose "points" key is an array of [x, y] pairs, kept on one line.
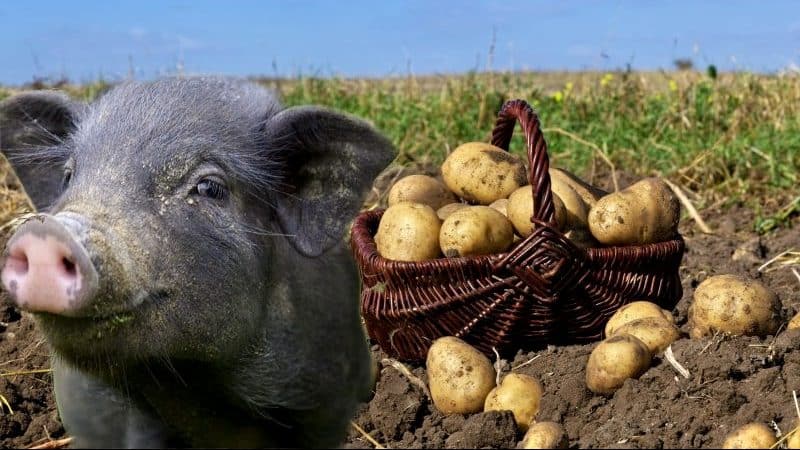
{"points": [[726, 140], [730, 139], [736, 136]]}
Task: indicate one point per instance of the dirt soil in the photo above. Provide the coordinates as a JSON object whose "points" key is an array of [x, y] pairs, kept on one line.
{"points": [[732, 380]]}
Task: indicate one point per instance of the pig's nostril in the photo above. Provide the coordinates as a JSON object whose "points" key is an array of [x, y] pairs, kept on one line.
{"points": [[69, 266], [18, 263]]}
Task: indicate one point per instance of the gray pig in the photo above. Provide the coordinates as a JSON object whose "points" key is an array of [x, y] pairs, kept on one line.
{"points": [[188, 265]]}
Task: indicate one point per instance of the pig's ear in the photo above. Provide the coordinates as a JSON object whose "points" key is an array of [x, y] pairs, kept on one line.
{"points": [[29, 124], [331, 160]]}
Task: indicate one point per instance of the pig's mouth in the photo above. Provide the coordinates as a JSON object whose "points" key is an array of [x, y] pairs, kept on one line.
{"points": [[103, 317], [142, 299], [147, 297]]}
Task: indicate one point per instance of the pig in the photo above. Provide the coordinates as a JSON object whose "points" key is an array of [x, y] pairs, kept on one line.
{"points": [[187, 261]]}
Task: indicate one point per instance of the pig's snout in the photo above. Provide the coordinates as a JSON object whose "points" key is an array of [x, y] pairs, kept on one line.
{"points": [[46, 269]]}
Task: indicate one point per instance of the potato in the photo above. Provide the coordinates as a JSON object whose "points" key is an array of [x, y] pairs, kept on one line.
{"points": [[613, 361], [794, 323], [500, 205], [408, 232], [590, 194], [459, 376], [733, 305], [751, 435], [634, 311], [794, 439], [445, 211], [643, 213], [655, 332], [582, 238], [575, 210], [475, 230], [420, 189], [520, 209], [482, 173], [544, 435], [519, 393]]}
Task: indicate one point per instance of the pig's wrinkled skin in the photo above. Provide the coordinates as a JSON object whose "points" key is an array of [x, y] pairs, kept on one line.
{"points": [[228, 321]]}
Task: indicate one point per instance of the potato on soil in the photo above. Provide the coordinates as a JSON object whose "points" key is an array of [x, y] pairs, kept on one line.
{"points": [[643, 213], [459, 376], [520, 209], [613, 361], [408, 232], [634, 311], [519, 393], [590, 194], [445, 211], [420, 189], [545, 435], [475, 230], [656, 333], [751, 435], [794, 323], [794, 439], [482, 173], [733, 305]]}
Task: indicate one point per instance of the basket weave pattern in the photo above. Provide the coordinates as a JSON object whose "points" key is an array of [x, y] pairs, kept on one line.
{"points": [[545, 290]]}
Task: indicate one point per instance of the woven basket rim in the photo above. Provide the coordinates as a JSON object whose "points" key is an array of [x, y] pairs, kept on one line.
{"points": [[591, 252]]}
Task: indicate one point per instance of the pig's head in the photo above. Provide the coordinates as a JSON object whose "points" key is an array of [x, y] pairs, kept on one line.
{"points": [[160, 208]]}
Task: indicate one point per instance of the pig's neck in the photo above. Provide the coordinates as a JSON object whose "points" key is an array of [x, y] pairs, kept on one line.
{"points": [[252, 403], [202, 412]]}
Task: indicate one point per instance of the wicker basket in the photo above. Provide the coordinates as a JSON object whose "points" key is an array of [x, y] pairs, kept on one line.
{"points": [[545, 290]]}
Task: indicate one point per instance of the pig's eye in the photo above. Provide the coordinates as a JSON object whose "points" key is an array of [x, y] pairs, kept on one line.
{"points": [[67, 176], [211, 189]]}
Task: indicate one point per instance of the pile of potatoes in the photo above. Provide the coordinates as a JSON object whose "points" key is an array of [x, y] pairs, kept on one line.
{"points": [[634, 334], [484, 205], [462, 380], [640, 330]]}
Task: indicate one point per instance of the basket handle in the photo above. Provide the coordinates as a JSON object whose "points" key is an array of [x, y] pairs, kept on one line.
{"points": [[538, 161]]}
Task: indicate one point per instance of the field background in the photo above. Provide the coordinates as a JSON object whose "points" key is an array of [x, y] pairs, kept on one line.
{"points": [[723, 139]]}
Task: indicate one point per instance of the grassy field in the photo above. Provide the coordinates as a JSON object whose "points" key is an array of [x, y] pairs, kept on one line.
{"points": [[732, 138]]}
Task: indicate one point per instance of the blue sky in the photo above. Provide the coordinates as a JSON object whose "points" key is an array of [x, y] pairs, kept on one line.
{"points": [[84, 40]]}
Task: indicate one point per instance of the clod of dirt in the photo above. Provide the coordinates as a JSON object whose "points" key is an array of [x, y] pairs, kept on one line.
{"points": [[394, 394], [492, 429], [750, 252]]}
